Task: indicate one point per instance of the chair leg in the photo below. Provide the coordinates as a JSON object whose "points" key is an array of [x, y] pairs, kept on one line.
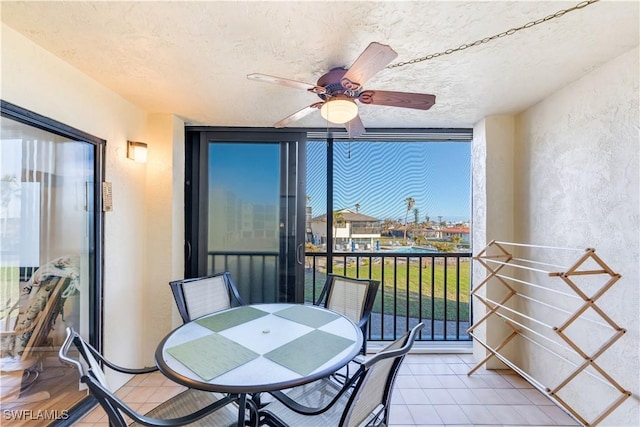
{"points": [[253, 408]]}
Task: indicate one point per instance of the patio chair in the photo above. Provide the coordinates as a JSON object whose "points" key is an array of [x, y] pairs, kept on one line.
{"points": [[205, 295], [24, 340], [350, 297], [365, 399], [193, 407]]}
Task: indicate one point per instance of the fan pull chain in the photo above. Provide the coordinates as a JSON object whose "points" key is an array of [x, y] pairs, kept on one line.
{"points": [[509, 32]]}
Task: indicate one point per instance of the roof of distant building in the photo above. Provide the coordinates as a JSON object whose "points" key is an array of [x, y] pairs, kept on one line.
{"points": [[348, 215], [455, 230]]}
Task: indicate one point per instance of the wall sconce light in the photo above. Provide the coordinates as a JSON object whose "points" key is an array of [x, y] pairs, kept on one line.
{"points": [[137, 151]]}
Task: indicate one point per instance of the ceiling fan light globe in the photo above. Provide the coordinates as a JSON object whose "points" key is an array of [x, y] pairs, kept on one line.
{"points": [[339, 111]]}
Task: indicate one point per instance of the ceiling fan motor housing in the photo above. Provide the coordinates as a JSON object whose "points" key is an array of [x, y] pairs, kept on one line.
{"points": [[332, 83]]}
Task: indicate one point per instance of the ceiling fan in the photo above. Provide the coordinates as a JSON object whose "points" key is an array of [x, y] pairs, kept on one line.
{"points": [[341, 87]]}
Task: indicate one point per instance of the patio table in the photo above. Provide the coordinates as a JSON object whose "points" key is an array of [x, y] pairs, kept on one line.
{"points": [[258, 348]]}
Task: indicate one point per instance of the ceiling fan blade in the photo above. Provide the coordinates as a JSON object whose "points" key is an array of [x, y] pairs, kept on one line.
{"points": [[285, 82], [420, 101], [298, 115], [373, 59], [355, 128]]}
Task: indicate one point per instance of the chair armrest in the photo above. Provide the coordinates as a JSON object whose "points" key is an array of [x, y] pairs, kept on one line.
{"points": [[132, 371], [117, 368], [145, 420]]}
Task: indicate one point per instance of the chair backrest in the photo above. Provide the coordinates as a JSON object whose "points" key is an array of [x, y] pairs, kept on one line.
{"points": [[205, 295], [374, 382], [350, 297], [32, 326], [47, 317], [91, 373]]}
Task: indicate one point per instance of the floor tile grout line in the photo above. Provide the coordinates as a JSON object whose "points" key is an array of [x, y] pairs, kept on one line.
{"points": [[452, 384]]}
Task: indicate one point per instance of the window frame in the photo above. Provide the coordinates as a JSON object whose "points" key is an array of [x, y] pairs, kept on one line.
{"points": [[95, 327]]}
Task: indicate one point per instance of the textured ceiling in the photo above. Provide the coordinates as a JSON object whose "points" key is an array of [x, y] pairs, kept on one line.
{"points": [[191, 58]]}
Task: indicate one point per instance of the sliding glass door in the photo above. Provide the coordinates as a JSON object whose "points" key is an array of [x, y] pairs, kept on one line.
{"points": [[243, 211], [50, 247]]}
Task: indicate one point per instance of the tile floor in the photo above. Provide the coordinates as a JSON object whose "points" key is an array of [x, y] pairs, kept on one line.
{"points": [[431, 390]]}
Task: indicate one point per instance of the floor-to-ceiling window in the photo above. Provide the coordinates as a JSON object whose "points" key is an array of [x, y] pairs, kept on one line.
{"points": [[50, 251], [394, 207]]}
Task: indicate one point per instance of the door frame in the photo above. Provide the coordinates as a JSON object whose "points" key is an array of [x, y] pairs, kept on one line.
{"points": [[96, 267], [197, 138]]}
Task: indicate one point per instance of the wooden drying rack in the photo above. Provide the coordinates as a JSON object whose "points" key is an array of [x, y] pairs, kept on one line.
{"points": [[494, 257]]}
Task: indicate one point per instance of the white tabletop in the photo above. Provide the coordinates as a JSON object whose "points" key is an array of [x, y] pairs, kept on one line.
{"points": [[276, 346]]}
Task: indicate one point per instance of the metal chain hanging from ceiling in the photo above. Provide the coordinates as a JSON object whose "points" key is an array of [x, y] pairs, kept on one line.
{"points": [[509, 32]]}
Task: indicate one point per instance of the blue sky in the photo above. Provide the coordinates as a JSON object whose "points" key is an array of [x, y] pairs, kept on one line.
{"points": [[380, 176], [377, 176], [247, 170]]}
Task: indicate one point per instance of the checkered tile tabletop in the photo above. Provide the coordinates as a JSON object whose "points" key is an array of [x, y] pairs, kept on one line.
{"points": [[259, 347]]}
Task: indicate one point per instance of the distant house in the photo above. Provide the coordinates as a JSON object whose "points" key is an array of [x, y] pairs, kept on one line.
{"points": [[352, 230], [451, 232]]}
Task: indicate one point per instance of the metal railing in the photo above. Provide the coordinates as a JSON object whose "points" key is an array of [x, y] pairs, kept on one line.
{"points": [[433, 288]]}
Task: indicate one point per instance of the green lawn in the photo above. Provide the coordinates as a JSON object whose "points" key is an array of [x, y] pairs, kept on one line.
{"points": [[9, 288], [425, 290]]}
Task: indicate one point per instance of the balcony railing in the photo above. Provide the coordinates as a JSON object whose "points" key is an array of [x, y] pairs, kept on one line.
{"points": [[415, 287]]}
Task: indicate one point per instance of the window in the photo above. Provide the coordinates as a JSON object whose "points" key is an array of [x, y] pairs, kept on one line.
{"points": [[382, 189], [395, 209]]}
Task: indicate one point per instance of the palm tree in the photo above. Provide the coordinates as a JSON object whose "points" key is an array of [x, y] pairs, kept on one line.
{"points": [[357, 207], [410, 201], [338, 219]]}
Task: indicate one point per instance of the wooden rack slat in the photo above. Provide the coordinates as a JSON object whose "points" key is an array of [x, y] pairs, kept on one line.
{"points": [[528, 332]]}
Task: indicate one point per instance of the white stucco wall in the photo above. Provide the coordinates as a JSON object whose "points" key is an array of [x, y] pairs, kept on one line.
{"points": [[138, 264], [165, 224], [572, 176], [577, 185], [492, 219]]}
